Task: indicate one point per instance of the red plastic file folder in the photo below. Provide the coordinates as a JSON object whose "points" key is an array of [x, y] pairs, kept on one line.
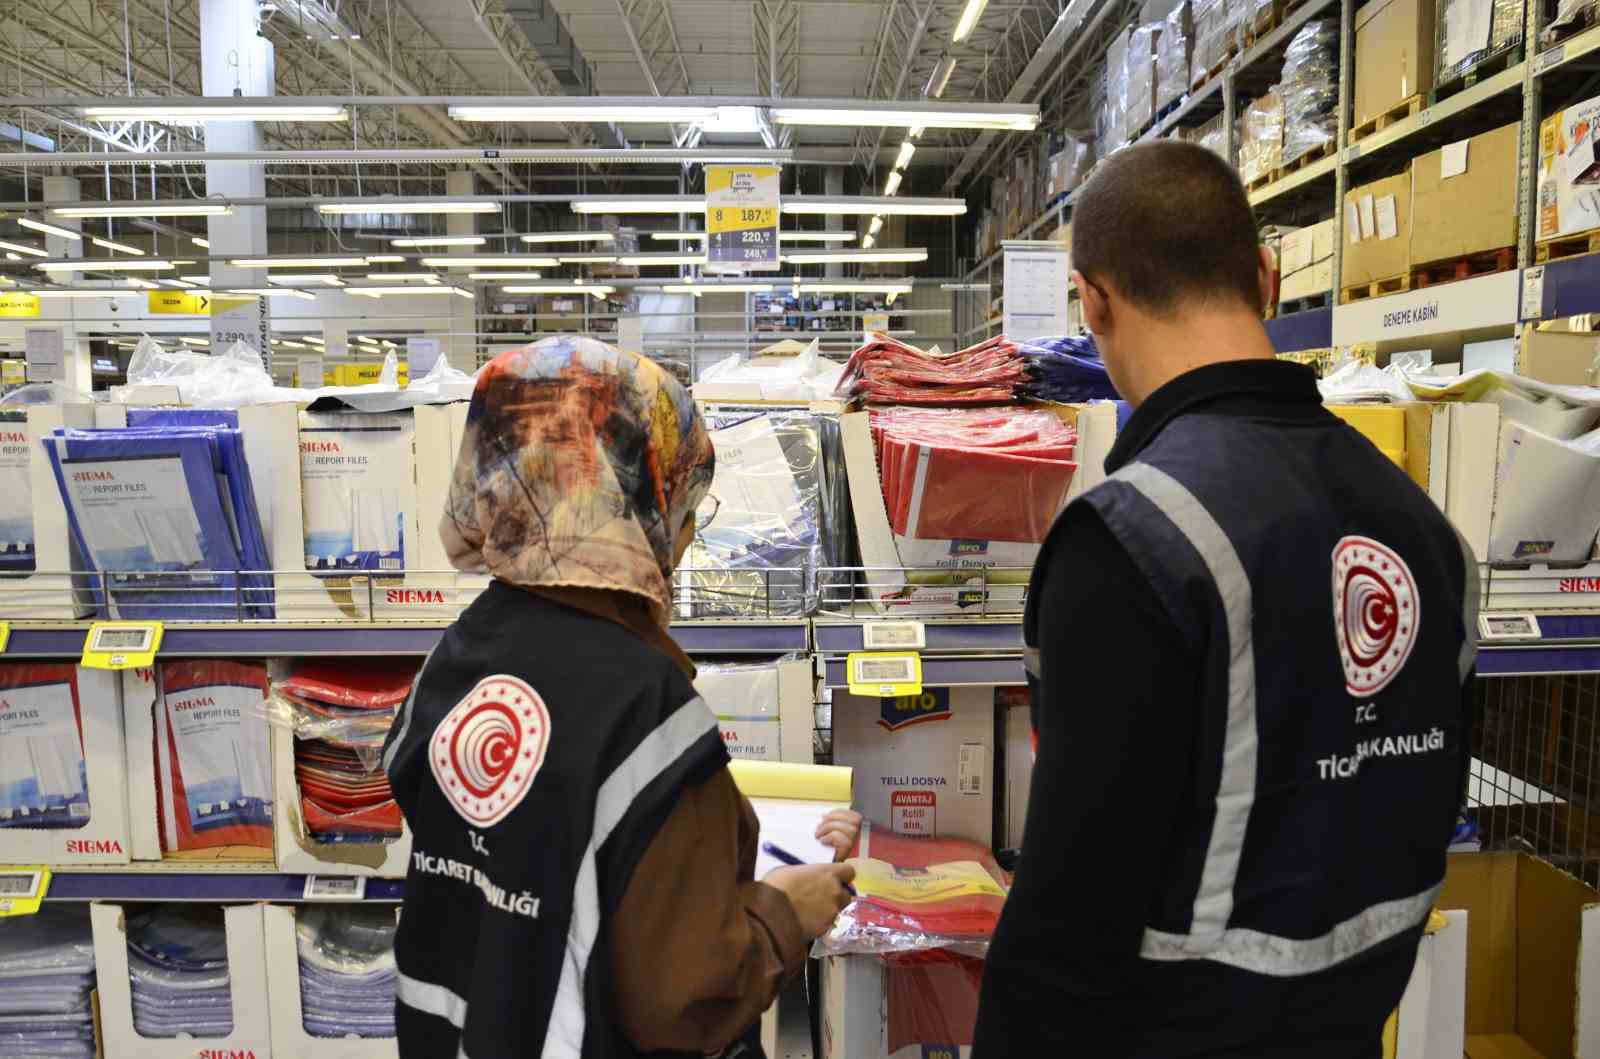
{"points": [[932, 999], [886, 370], [374, 684], [959, 918]]}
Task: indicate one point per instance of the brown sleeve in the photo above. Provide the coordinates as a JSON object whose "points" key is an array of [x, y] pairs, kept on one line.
{"points": [[699, 949]]}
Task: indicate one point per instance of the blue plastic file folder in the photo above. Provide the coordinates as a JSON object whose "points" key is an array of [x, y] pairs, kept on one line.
{"points": [[165, 514]]}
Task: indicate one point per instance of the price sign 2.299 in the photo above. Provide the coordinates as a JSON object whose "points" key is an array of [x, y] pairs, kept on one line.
{"points": [[742, 217]]}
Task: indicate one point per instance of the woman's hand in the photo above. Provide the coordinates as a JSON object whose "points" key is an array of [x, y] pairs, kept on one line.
{"points": [[816, 892], [840, 829]]}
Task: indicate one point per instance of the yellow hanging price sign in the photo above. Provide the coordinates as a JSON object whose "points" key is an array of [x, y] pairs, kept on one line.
{"points": [[883, 674], [22, 889], [121, 644], [742, 217]]}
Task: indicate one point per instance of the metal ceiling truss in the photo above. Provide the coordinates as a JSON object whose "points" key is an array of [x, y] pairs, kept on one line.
{"points": [[776, 29], [654, 40], [503, 27], [900, 37]]}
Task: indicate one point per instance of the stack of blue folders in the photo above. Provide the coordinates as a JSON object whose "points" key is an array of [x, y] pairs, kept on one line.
{"points": [[46, 976], [178, 971], [1066, 369], [163, 512], [347, 971]]}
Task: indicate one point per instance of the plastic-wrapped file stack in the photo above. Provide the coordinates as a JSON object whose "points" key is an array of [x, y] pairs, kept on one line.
{"points": [[340, 713], [1066, 369], [178, 963], [1211, 37], [1173, 52], [888, 371], [213, 757], [46, 976], [1462, 40], [347, 971], [1261, 140], [1310, 89]]}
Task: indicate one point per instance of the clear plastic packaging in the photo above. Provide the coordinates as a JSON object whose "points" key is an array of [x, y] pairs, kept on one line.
{"points": [[1173, 53], [1069, 166], [1212, 39], [236, 377], [1066, 369], [1570, 12], [1213, 136], [786, 371], [48, 393], [1469, 31], [1261, 139], [917, 895], [1310, 89], [178, 972], [347, 970], [1249, 18], [44, 782], [1139, 75]]}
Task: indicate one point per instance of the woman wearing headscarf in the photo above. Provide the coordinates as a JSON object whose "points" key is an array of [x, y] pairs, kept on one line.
{"points": [[581, 870]]}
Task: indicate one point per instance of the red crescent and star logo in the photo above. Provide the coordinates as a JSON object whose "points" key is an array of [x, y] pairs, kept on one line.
{"points": [[489, 747], [1376, 613]]}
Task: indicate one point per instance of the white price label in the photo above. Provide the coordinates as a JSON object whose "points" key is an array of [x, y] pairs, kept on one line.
{"points": [[884, 670], [1425, 118], [1508, 627], [1533, 292], [887, 635], [335, 887], [1553, 57], [1352, 152]]}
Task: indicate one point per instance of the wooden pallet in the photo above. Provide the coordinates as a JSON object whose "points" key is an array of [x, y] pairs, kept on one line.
{"points": [[1305, 304], [1399, 112], [1507, 57], [1215, 71], [1570, 246], [1448, 271], [1261, 181], [1316, 154], [1267, 22], [1375, 289]]}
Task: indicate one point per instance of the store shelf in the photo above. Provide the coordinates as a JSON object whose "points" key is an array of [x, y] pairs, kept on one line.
{"points": [[1567, 643], [1481, 307], [777, 636], [1311, 329], [1298, 179], [839, 637], [1574, 47], [940, 672], [233, 883], [1505, 81]]}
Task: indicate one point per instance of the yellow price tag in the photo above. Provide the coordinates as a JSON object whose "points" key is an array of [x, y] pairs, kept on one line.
{"points": [[122, 644], [22, 889], [884, 674], [5, 636]]}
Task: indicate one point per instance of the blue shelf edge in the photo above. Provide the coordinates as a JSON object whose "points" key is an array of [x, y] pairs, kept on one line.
{"points": [[68, 885], [1310, 329], [1570, 286], [945, 672], [838, 638]]}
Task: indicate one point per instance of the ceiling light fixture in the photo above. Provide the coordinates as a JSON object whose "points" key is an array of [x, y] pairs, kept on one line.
{"points": [[903, 159], [204, 244], [488, 261], [698, 289], [51, 229], [783, 237], [97, 264], [441, 240], [1004, 117], [274, 292], [875, 227], [593, 290], [85, 293], [378, 292], [637, 260], [629, 110], [897, 286], [568, 237], [867, 204], [892, 185], [122, 247], [940, 78], [407, 206], [860, 256], [148, 209], [384, 259], [505, 275], [868, 241], [969, 19], [642, 204], [298, 262], [327, 279], [191, 112], [587, 259], [401, 277], [22, 248]]}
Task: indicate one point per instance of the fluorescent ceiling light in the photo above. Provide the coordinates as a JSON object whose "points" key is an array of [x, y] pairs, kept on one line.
{"points": [[869, 240], [903, 159], [289, 344], [194, 341], [273, 292], [10, 256], [489, 261], [314, 340], [123, 247], [85, 293], [190, 112], [662, 259], [679, 237], [926, 115], [505, 275], [568, 237], [441, 240], [735, 120], [866, 204], [892, 185], [203, 243], [378, 292], [875, 227], [861, 256], [99, 264], [23, 248], [384, 259], [148, 209], [593, 290], [401, 277], [698, 289], [940, 78], [969, 18], [407, 206], [297, 262], [142, 284], [900, 286], [596, 110], [587, 259], [327, 279], [52, 229], [175, 282], [642, 204]]}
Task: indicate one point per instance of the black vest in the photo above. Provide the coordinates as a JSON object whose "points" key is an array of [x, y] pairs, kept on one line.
{"points": [[536, 759], [1334, 608]]}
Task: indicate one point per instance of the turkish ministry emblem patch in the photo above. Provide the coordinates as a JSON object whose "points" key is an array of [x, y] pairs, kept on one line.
{"points": [[489, 747], [1375, 612]]}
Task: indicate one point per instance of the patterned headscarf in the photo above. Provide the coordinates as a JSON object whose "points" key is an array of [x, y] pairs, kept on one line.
{"points": [[579, 466]]}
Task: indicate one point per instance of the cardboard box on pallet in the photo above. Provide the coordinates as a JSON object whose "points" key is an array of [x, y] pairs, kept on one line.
{"points": [[1464, 197], [1569, 171], [1475, 37], [1533, 957], [1261, 140], [1377, 231], [1558, 357], [1394, 55], [1174, 52], [1313, 279], [1140, 76], [1211, 38]]}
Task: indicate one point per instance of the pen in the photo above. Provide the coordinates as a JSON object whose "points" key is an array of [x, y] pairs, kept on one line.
{"points": [[779, 853]]}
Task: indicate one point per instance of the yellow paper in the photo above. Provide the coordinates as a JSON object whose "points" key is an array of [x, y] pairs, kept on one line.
{"points": [[938, 882], [778, 779]]}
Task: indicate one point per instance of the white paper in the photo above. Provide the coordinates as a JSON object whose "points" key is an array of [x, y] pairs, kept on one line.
{"points": [[1467, 25], [1533, 292], [1367, 225], [1453, 159], [135, 514], [310, 371], [791, 825], [422, 353], [1352, 222], [1388, 223], [45, 348], [1036, 282], [355, 470]]}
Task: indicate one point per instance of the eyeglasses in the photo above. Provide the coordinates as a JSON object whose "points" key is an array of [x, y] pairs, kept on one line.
{"points": [[706, 513]]}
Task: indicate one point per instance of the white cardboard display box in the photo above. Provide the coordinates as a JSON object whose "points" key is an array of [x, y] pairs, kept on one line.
{"points": [[283, 995], [922, 762], [297, 852], [765, 714], [247, 973], [49, 593], [1431, 1020], [1016, 725], [859, 1021], [103, 839]]}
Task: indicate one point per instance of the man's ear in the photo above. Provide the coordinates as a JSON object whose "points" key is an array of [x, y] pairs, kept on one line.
{"points": [[1096, 307], [1265, 267]]}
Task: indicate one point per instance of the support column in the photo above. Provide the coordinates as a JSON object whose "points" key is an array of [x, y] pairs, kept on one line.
{"points": [[235, 60], [833, 184], [74, 351], [462, 343]]}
